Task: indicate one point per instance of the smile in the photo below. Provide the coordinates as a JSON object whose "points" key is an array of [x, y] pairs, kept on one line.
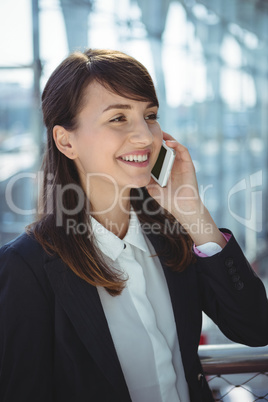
{"points": [[135, 158]]}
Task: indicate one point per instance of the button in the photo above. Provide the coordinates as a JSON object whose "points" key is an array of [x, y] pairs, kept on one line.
{"points": [[239, 285], [231, 270], [229, 262], [235, 278], [200, 378]]}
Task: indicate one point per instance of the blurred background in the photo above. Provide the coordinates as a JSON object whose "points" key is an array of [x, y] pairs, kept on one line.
{"points": [[209, 62]]}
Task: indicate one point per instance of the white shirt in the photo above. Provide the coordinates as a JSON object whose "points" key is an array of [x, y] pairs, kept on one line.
{"points": [[141, 320]]}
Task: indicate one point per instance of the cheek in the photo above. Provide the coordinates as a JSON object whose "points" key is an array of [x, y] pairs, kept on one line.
{"points": [[158, 136]]}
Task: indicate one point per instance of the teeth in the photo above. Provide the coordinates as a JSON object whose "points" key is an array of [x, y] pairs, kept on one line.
{"points": [[135, 158]]}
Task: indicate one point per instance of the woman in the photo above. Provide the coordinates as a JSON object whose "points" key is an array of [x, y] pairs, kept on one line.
{"points": [[102, 298]]}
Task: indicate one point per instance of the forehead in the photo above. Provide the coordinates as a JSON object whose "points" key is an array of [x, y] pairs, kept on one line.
{"points": [[96, 92], [99, 98]]}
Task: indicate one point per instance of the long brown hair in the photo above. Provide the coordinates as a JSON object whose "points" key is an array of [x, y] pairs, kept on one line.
{"points": [[63, 98]]}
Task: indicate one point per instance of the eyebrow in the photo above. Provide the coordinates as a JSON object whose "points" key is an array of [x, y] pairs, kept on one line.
{"points": [[125, 106]]}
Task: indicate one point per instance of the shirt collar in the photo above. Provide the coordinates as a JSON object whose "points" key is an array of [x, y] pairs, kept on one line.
{"points": [[111, 245], [134, 235]]}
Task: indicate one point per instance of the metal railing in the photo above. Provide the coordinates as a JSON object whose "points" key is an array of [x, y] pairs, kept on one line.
{"points": [[236, 372]]}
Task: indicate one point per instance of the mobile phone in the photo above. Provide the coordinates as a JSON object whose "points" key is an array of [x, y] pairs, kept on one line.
{"points": [[162, 168]]}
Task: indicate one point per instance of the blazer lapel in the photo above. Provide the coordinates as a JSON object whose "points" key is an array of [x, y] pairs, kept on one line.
{"points": [[82, 304]]}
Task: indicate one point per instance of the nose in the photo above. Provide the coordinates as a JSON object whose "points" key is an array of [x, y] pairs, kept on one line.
{"points": [[141, 134]]}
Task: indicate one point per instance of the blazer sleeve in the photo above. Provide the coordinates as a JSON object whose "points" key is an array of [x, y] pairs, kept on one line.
{"points": [[26, 339], [233, 296]]}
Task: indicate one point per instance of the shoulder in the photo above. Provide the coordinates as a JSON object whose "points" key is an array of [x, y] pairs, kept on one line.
{"points": [[22, 264], [23, 244], [25, 247]]}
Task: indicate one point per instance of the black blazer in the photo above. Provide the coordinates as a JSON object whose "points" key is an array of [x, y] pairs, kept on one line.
{"points": [[55, 344]]}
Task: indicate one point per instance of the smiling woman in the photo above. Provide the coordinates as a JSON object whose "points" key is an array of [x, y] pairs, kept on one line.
{"points": [[107, 288], [97, 115], [117, 135]]}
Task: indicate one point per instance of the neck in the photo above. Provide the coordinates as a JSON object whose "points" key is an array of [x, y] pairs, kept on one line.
{"points": [[111, 210]]}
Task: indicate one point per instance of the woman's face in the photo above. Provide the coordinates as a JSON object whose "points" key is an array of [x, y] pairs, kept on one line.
{"points": [[117, 140]]}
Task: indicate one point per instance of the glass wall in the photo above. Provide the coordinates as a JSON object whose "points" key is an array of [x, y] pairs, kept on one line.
{"points": [[209, 61]]}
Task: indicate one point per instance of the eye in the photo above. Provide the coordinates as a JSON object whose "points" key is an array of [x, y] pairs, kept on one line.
{"points": [[152, 116], [118, 119]]}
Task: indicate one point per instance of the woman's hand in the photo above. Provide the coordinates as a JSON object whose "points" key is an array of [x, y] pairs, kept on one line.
{"points": [[181, 197]]}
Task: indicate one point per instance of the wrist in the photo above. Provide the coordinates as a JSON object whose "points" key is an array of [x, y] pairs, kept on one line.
{"points": [[200, 226]]}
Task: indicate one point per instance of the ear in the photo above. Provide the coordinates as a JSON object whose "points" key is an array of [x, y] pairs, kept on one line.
{"points": [[63, 141]]}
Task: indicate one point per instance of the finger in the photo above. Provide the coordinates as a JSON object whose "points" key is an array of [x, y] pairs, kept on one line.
{"points": [[167, 137], [181, 151]]}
